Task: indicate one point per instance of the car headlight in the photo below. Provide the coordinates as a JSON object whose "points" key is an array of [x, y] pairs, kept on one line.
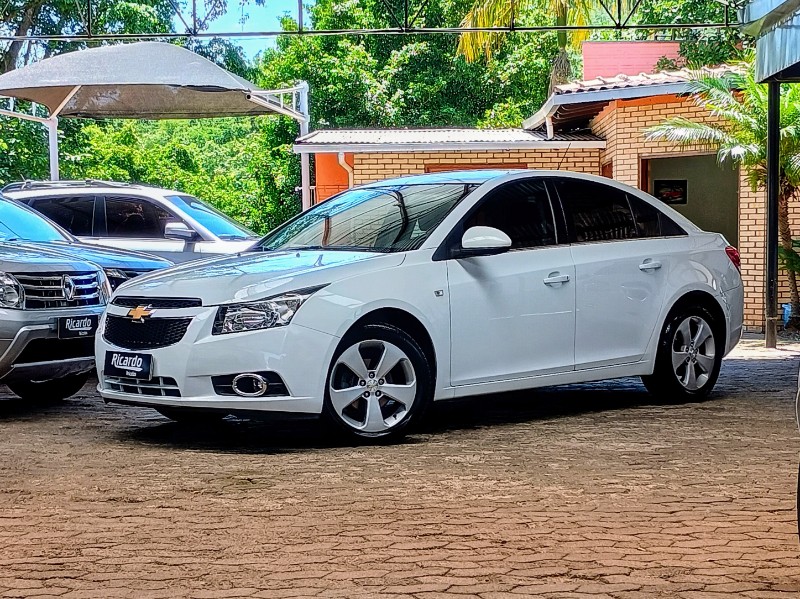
{"points": [[11, 294], [105, 287], [268, 313]]}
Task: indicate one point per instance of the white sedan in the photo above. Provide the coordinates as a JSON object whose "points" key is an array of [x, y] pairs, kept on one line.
{"points": [[387, 297]]}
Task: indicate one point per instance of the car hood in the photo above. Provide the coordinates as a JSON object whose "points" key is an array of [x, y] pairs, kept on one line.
{"points": [[21, 257], [108, 257], [256, 275]]}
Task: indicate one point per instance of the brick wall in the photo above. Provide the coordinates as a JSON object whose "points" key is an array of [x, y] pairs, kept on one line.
{"points": [[383, 165]]}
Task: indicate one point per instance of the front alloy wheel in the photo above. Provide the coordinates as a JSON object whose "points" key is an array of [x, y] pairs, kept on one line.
{"points": [[378, 383]]}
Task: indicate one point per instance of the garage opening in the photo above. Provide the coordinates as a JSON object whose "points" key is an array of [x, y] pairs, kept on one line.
{"points": [[698, 188]]}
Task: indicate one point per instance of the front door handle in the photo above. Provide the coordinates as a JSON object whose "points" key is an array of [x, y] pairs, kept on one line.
{"points": [[649, 265], [556, 279]]}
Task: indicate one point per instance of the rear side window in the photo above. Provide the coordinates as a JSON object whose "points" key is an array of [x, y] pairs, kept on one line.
{"points": [[75, 214], [521, 209], [651, 222], [135, 217], [596, 212]]}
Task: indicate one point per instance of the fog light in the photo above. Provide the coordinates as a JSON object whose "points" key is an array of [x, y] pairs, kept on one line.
{"points": [[250, 385]]}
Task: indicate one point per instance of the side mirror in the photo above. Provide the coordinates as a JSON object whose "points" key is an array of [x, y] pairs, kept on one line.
{"points": [[483, 241], [179, 231]]}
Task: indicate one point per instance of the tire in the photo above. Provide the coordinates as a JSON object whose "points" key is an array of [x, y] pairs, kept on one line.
{"points": [[52, 390], [189, 416], [688, 358], [359, 381]]}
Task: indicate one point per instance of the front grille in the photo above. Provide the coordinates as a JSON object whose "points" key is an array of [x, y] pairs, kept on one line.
{"points": [[150, 334], [48, 350], [223, 384], [157, 302], [160, 386], [52, 290]]}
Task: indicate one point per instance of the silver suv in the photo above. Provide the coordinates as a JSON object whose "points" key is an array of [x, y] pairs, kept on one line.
{"points": [[50, 304], [167, 223]]}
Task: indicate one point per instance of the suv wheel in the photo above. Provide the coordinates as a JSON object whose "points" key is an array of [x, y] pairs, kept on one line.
{"points": [[52, 390]]}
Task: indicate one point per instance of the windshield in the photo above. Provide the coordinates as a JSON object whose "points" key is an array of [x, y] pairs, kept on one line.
{"points": [[18, 223], [213, 220], [381, 219]]}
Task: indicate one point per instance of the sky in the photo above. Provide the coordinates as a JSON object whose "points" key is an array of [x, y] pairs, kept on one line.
{"points": [[260, 18]]}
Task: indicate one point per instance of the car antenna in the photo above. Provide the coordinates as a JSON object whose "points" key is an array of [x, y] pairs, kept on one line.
{"points": [[564, 155]]}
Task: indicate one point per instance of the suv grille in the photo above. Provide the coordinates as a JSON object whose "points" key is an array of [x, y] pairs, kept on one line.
{"points": [[157, 302], [150, 334], [52, 290]]}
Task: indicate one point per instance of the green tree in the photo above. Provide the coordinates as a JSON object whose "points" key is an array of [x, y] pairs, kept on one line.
{"points": [[740, 140], [698, 46], [497, 13]]}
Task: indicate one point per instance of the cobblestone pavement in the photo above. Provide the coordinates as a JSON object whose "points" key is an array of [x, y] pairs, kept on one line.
{"points": [[593, 491]]}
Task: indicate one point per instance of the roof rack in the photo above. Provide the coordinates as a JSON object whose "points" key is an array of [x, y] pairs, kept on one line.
{"points": [[29, 184]]}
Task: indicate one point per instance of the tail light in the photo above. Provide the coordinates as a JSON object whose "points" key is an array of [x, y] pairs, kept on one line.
{"points": [[733, 254]]}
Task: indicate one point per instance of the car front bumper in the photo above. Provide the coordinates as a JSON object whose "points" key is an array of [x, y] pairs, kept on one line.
{"points": [[18, 328], [298, 355]]}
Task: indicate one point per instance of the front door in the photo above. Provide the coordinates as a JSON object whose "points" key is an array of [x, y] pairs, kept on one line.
{"points": [[513, 314]]}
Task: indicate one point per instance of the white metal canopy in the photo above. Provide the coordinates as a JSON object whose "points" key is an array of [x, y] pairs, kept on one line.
{"points": [[145, 80]]}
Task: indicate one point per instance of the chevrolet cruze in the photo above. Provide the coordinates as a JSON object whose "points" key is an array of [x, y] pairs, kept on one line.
{"points": [[389, 296]]}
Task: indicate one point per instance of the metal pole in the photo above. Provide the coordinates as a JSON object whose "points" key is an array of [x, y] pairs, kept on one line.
{"points": [[773, 181], [305, 164], [52, 138]]}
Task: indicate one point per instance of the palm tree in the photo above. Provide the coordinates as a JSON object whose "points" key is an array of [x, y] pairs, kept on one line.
{"points": [[498, 13], [740, 140]]}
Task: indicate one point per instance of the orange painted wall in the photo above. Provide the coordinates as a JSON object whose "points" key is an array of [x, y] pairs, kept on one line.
{"points": [[331, 178]]}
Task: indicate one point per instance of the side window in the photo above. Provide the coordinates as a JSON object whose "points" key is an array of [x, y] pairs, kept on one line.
{"points": [[651, 222], [596, 212], [521, 209], [75, 214], [135, 217]]}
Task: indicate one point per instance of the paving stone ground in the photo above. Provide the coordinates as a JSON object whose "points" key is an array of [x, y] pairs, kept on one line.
{"points": [[593, 491]]}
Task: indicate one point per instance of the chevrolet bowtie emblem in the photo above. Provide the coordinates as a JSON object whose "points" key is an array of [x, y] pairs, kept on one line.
{"points": [[139, 313]]}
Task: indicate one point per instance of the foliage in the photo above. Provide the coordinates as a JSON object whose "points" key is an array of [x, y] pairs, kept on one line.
{"points": [[698, 46], [740, 139]]}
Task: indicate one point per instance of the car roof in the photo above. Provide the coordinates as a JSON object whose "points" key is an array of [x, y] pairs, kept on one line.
{"points": [[469, 176], [24, 189]]}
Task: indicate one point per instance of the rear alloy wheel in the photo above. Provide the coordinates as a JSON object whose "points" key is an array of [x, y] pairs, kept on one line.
{"points": [[688, 358], [379, 382], [52, 390]]}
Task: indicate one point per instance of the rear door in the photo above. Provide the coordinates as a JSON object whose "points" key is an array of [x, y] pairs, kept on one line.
{"points": [[623, 249], [75, 213]]}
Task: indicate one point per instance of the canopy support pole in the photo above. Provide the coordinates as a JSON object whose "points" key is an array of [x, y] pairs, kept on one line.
{"points": [[305, 160], [773, 183], [52, 142], [51, 123]]}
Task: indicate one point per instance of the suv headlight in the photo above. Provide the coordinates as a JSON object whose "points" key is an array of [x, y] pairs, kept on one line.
{"points": [[116, 277], [268, 313], [11, 294], [105, 287]]}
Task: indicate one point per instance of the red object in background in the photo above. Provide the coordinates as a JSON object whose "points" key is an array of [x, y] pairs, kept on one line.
{"points": [[608, 59]]}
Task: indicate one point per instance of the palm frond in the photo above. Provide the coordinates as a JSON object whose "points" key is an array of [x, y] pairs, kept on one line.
{"points": [[683, 132]]}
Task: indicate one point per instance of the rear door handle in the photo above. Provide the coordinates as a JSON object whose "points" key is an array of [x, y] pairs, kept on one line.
{"points": [[650, 265], [556, 279]]}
